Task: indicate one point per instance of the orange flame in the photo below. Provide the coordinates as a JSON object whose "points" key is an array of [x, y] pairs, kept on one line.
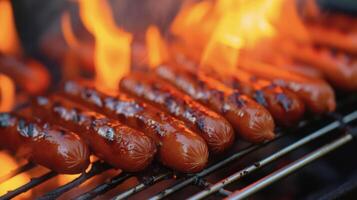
{"points": [[8, 164], [112, 44], [7, 93], [222, 31], [242, 24], [156, 47], [68, 33], [9, 42]]}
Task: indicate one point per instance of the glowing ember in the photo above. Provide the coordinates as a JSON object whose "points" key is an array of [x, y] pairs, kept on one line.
{"points": [[9, 42], [7, 93], [156, 47], [7, 165], [112, 44]]}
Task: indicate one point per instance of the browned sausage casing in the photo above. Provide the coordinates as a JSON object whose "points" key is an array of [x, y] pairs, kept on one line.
{"points": [[115, 143], [251, 120], [217, 132], [179, 147], [53, 147], [338, 67], [283, 104], [317, 95]]}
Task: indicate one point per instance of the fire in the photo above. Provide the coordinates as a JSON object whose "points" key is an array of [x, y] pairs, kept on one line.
{"points": [[112, 44], [222, 33], [8, 164], [7, 93], [156, 47], [242, 24], [68, 33], [9, 42]]}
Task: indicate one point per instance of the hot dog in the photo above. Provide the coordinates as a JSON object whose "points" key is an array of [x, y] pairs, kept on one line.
{"points": [[339, 68], [317, 95], [53, 147], [217, 132], [284, 105], [179, 147], [249, 119], [111, 141]]}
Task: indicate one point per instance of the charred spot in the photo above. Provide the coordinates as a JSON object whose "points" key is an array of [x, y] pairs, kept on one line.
{"points": [[30, 129], [127, 108], [27, 130], [218, 95], [333, 51], [93, 97], [235, 84], [42, 101], [235, 97], [260, 98], [200, 123], [284, 101], [106, 132], [62, 132], [21, 124], [201, 84], [5, 120], [271, 86], [71, 87], [253, 79]]}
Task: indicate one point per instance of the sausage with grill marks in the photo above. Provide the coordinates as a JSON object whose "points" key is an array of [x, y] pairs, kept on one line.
{"points": [[217, 132], [250, 120], [285, 106], [317, 94], [179, 147], [115, 143], [51, 146]]}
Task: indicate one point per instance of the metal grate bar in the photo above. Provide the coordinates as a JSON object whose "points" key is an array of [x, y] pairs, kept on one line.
{"points": [[277, 175], [187, 181], [33, 183], [98, 167], [143, 185], [350, 117], [204, 184], [17, 171], [103, 188]]}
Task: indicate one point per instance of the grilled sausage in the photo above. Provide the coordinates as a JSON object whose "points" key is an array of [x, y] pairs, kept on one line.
{"points": [[317, 95], [111, 141], [29, 75], [251, 120], [216, 131], [338, 67], [179, 147], [284, 105], [53, 147]]}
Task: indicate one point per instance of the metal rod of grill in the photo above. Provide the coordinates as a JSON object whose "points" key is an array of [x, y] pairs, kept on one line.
{"points": [[33, 183], [103, 188], [143, 185], [187, 181], [98, 167], [350, 117], [266, 181], [17, 171]]}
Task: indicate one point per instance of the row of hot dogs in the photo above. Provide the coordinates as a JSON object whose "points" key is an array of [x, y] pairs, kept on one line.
{"points": [[180, 115]]}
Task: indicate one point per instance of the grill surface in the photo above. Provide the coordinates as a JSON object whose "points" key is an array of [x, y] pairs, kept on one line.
{"points": [[321, 136]]}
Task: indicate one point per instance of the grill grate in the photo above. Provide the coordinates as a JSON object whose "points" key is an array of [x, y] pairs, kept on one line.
{"points": [[341, 121]]}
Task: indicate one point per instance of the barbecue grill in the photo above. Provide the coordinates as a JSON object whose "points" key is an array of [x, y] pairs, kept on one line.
{"points": [[314, 158], [231, 176]]}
